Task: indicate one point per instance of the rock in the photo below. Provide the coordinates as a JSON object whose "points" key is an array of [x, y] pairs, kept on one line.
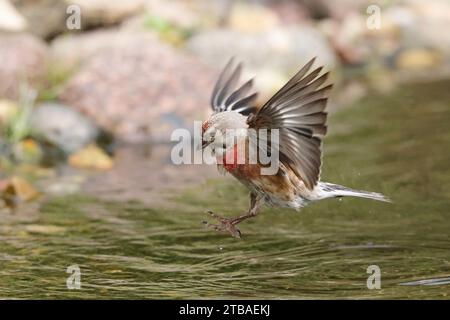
{"points": [[3, 184], [188, 16], [91, 157], [246, 17], [178, 13], [324, 8], [140, 91], [63, 126], [419, 21], [28, 151], [351, 39], [290, 12], [284, 48], [356, 43], [404, 26], [17, 190], [8, 109], [23, 58], [402, 16], [268, 81], [54, 14], [416, 59], [10, 18], [45, 18], [106, 12], [281, 51], [70, 50]]}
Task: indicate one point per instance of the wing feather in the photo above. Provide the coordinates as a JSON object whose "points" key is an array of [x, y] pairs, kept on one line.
{"points": [[298, 111], [227, 96]]}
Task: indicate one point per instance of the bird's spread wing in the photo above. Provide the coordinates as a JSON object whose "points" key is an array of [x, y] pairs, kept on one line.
{"points": [[297, 110], [228, 95]]}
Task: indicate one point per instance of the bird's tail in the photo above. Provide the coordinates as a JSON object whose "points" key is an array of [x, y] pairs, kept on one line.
{"points": [[330, 190]]}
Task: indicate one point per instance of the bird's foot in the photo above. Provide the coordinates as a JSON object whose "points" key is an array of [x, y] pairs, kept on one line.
{"points": [[226, 225]]}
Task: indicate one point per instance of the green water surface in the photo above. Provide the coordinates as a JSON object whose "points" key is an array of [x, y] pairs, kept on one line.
{"points": [[397, 144]]}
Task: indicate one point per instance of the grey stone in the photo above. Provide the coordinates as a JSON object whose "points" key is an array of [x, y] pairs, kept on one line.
{"points": [[283, 48], [63, 126]]}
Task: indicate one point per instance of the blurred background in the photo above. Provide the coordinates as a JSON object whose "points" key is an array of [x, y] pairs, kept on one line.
{"points": [[90, 91], [79, 79]]}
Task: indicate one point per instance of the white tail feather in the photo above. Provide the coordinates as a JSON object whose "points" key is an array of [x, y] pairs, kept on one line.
{"points": [[330, 190]]}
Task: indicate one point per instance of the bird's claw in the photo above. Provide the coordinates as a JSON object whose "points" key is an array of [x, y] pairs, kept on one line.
{"points": [[226, 225]]}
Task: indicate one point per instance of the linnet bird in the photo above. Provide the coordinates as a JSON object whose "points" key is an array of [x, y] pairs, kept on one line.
{"points": [[298, 113]]}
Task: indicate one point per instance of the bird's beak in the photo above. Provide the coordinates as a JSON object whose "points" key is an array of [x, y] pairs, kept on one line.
{"points": [[203, 145]]}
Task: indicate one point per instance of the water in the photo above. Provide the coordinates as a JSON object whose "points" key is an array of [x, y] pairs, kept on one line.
{"points": [[397, 145]]}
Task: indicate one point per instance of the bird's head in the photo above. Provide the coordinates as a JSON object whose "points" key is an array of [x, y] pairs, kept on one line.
{"points": [[222, 130]]}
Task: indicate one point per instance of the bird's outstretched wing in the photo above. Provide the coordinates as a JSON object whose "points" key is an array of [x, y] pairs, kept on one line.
{"points": [[297, 110], [228, 96]]}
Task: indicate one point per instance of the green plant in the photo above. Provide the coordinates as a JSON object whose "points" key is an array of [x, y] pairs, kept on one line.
{"points": [[18, 127], [57, 76], [167, 31]]}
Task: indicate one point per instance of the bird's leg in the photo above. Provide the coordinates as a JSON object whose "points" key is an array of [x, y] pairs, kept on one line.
{"points": [[229, 224], [252, 211]]}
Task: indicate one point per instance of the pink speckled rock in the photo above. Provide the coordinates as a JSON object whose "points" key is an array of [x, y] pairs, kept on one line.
{"points": [[23, 58], [141, 89]]}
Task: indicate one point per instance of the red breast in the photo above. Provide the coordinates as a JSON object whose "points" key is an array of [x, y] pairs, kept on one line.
{"points": [[230, 158]]}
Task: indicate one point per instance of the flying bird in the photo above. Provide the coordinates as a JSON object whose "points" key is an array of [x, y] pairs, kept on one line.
{"points": [[297, 112]]}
